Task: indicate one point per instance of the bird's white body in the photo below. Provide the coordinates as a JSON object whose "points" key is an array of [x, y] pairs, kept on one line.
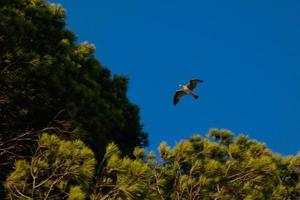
{"points": [[186, 90]]}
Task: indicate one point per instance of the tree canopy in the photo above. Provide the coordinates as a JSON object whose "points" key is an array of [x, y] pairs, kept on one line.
{"points": [[57, 169], [48, 79], [213, 167], [46, 76]]}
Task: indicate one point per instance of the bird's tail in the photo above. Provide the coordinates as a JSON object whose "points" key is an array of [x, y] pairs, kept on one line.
{"points": [[195, 96]]}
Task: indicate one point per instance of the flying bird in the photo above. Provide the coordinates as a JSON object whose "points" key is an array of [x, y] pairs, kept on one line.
{"points": [[186, 90]]}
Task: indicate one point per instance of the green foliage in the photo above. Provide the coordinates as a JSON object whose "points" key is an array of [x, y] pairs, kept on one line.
{"points": [[223, 136], [76, 194], [197, 168], [123, 178], [58, 169], [200, 168], [48, 79]]}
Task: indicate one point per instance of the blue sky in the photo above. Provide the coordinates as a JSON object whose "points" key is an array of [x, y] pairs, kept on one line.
{"points": [[247, 52]]}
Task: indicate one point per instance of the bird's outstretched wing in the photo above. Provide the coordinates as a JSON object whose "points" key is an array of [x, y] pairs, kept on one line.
{"points": [[193, 83], [177, 96]]}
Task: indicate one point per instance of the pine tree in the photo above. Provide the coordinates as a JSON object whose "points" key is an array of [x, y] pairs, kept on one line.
{"points": [[218, 167], [58, 170]]}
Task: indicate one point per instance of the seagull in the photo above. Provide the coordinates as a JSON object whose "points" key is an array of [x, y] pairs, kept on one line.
{"points": [[186, 90]]}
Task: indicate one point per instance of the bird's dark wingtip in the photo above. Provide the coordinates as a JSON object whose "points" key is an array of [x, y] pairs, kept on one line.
{"points": [[175, 103]]}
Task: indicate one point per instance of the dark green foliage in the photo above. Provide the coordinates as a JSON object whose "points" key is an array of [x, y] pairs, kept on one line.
{"points": [[44, 73], [46, 76], [47, 79]]}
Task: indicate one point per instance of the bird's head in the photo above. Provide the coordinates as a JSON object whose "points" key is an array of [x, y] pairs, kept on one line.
{"points": [[179, 85]]}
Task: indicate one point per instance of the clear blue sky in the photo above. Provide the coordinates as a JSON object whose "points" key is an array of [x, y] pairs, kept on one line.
{"points": [[247, 52]]}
